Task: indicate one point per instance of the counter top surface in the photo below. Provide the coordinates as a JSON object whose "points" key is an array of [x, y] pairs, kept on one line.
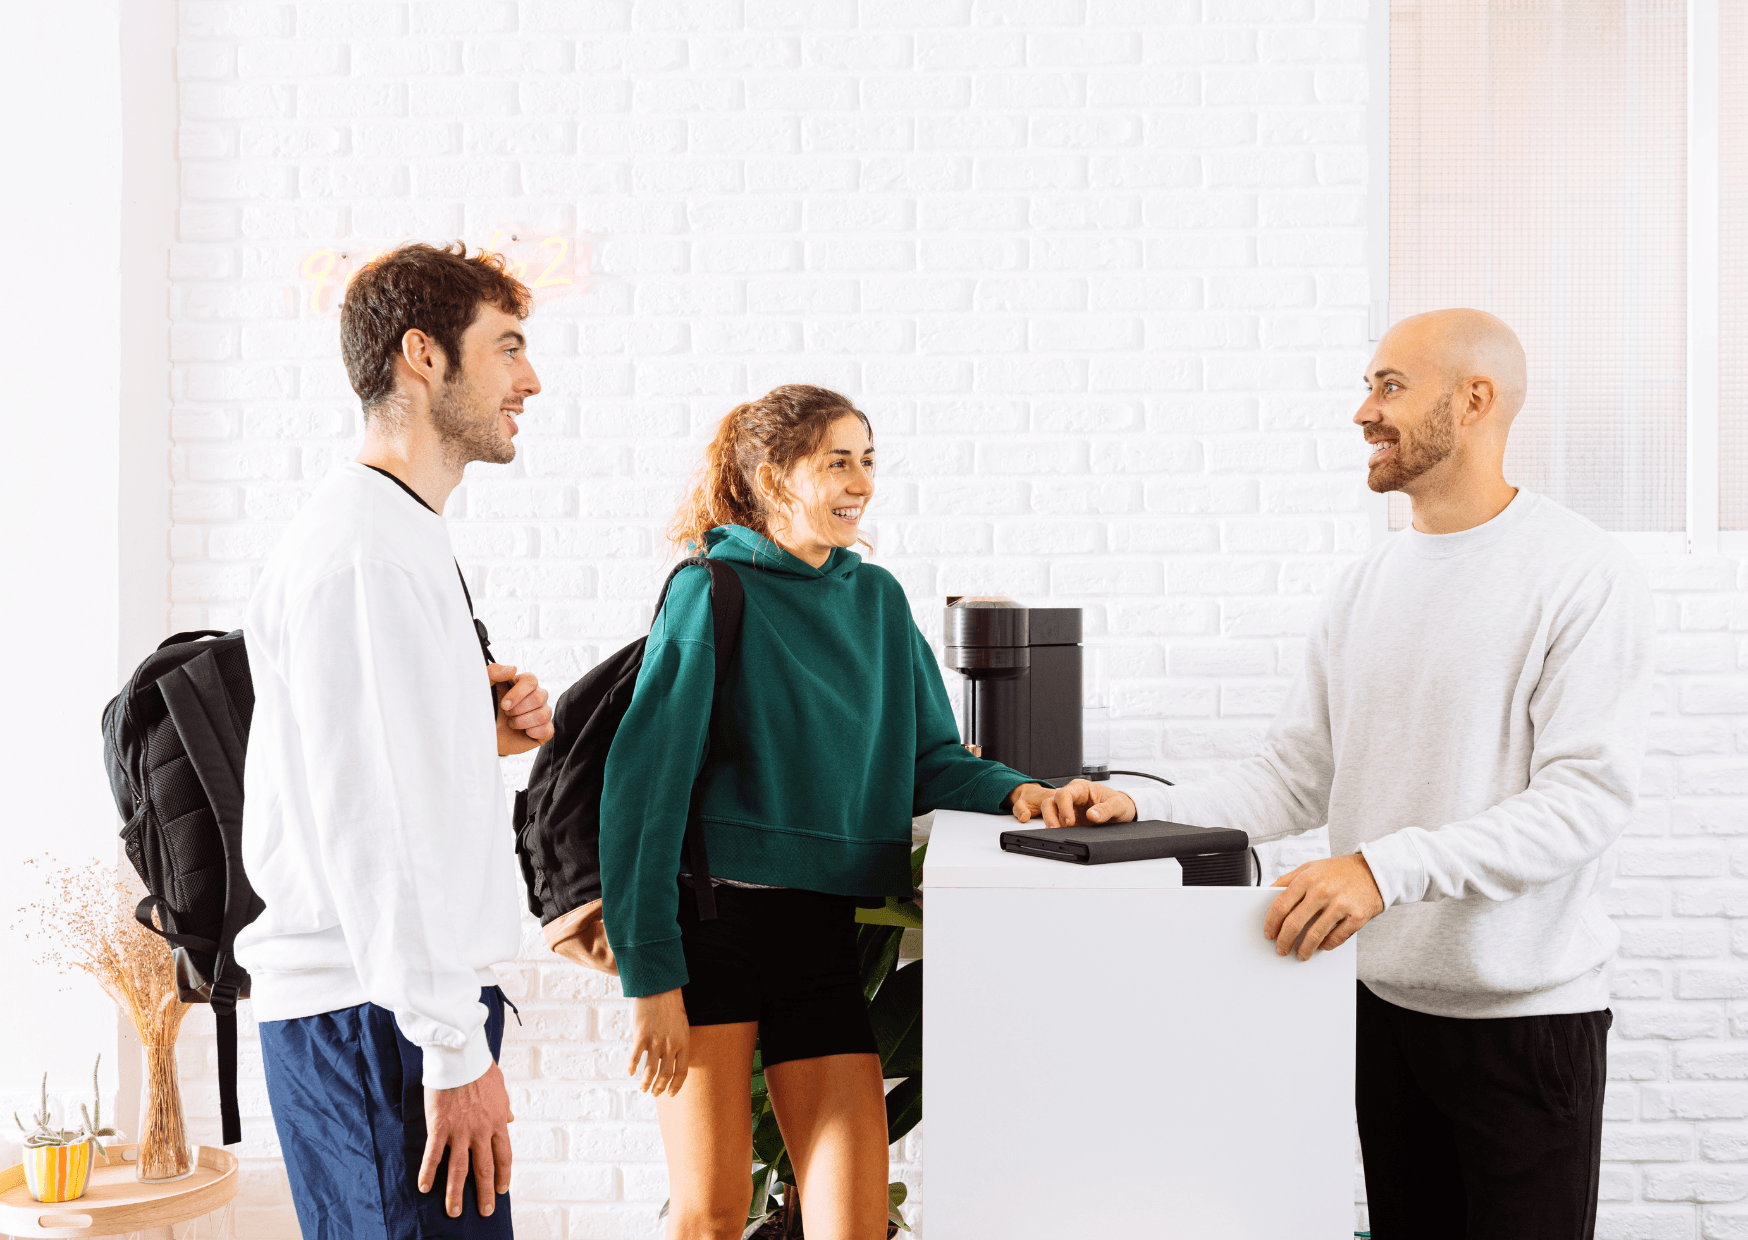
{"points": [[965, 851]]}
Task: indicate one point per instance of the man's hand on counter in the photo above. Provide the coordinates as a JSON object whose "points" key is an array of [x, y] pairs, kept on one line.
{"points": [[1327, 900], [1078, 803]]}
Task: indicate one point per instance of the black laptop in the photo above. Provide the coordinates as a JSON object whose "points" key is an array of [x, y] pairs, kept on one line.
{"points": [[1125, 841]]}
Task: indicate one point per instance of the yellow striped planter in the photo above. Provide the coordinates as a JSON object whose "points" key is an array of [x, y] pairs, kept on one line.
{"points": [[57, 1172]]}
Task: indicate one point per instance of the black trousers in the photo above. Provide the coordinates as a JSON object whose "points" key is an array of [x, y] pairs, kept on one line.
{"points": [[1479, 1129]]}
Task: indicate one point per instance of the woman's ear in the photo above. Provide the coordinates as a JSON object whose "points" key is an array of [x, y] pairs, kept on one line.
{"points": [[765, 484], [774, 498], [772, 492]]}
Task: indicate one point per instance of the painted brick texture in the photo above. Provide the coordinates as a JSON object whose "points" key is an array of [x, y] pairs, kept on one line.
{"points": [[1096, 271]]}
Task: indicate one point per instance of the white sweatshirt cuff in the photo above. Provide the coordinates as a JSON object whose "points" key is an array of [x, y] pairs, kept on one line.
{"points": [[448, 1068], [1397, 868], [1152, 804]]}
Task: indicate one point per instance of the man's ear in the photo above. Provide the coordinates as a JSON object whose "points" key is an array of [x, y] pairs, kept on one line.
{"points": [[1482, 397], [422, 355]]}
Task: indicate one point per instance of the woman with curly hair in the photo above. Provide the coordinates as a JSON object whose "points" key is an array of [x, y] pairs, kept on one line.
{"points": [[834, 730]]}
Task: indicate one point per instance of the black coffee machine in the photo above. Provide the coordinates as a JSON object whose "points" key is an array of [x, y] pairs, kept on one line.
{"points": [[1022, 669]]}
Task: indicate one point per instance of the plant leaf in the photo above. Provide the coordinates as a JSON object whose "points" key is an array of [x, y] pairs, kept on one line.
{"points": [[906, 1058], [916, 864], [761, 1197], [904, 1108], [896, 1009], [768, 1140], [905, 913], [896, 1192], [877, 951]]}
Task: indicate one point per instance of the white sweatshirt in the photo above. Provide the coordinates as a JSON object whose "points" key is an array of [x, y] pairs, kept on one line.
{"points": [[374, 823], [1471, 716]]}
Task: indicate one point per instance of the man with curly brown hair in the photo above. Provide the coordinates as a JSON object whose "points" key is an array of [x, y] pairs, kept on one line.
{"points": [[375, 826]]}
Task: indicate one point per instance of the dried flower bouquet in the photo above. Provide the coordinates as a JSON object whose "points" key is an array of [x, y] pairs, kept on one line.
{"points": [[89, 925]]}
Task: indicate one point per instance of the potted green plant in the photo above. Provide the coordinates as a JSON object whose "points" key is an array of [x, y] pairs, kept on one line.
{"points": [[57, 1161]]}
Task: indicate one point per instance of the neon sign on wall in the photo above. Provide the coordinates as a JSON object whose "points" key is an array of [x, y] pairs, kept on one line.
{"points": [[555, 262]]}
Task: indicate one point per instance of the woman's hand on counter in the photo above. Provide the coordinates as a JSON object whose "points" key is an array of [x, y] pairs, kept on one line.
{"points": [[1079, 803], [660, 1037]]}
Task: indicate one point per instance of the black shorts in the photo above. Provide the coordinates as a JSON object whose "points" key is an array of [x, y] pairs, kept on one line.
{"points": [[781, 957]]}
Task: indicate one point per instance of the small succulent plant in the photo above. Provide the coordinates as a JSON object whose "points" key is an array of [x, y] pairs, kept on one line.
{"points": [[43, 1133]]}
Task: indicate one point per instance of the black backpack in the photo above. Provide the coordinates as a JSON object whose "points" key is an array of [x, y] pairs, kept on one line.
{"points": [[558, 816], [173, 740]]}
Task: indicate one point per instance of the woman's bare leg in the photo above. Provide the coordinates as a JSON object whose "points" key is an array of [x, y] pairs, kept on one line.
{"points": [[707, 1133], [832, 1111]]}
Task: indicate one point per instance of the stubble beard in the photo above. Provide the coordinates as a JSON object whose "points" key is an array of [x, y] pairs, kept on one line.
{"points": [[1434, 442], [468, 427]]}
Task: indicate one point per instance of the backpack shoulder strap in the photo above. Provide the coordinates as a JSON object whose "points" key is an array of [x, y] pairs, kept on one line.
{"points": [[479, 626], [668, 582], [727, 603], [212, 735]]}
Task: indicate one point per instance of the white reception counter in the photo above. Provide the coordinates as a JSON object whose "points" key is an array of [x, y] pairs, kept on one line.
{"points": [[1112, 1055]]}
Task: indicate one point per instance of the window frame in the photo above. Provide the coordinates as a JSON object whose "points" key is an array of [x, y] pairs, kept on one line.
{"points": [[1702, 535]]}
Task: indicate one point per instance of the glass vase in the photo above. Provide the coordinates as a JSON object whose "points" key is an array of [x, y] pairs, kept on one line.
{"points": [[163, 1147]]}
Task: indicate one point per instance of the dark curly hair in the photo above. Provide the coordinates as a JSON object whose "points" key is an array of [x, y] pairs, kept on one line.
{"points": [[438, 290]]}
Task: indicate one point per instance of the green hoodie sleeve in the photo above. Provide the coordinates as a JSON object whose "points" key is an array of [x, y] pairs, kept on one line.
{"points": [[948, 776], [647, 792]]}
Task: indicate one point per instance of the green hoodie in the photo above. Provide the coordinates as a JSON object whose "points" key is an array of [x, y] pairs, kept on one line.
{"points": [[836, 732]]}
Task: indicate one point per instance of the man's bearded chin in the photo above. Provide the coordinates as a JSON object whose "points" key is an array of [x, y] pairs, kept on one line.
{"points": [[468, 428], [1433, 442]]}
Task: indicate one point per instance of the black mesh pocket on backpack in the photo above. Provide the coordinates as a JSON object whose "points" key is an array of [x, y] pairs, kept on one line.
{"points": [[179, 841], [195, 870]]}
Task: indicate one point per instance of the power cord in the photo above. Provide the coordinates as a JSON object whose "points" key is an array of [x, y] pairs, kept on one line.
{"points": [[1145, 775], [1255, 860]]}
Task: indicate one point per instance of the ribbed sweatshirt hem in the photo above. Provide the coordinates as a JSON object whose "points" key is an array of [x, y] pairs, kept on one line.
{"points": [[778, 857], [1587, 993]]}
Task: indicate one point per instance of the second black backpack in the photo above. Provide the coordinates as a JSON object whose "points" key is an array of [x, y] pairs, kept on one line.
{"points": [[558, 816]]}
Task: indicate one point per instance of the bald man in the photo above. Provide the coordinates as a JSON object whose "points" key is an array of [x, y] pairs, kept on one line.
{"points": [[1469, 721]]}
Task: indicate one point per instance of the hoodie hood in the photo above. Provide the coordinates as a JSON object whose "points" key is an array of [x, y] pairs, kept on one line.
{"points": [[739, 545]]}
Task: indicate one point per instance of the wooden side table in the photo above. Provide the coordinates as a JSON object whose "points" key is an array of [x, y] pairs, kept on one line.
{"points": [[115, 1203]]}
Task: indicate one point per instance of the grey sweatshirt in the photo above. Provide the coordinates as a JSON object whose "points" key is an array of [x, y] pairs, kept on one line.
{"points": [[1471, 716]]}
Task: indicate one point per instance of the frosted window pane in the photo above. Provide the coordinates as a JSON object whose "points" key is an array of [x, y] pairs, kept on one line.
{"points": [[1538, 171], [1733, 267]]}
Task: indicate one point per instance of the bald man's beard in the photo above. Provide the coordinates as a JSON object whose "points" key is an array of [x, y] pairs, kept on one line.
{"points": [[468, 428], [1435, 440]]}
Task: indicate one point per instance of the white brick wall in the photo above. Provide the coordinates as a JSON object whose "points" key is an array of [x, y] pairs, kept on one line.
{"points": [[1095, 269]]}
